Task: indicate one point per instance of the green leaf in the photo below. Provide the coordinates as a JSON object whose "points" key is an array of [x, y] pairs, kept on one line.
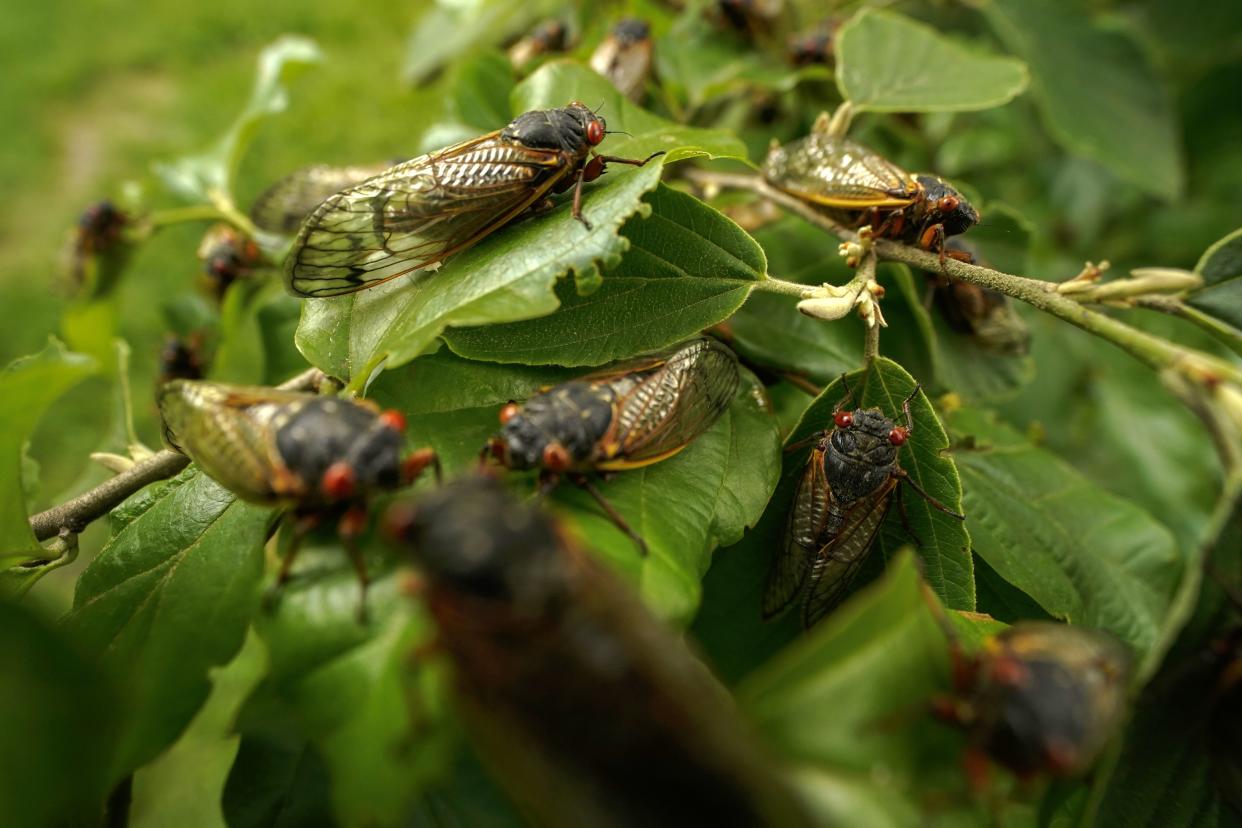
{"points": [[61, 718], [28, 387], [277, 781], [345, 685], [509, 276], [480, 89], [687, 268], [197, 177], [1221, 269], [169, 597], [1085, 555], [729, 628], [447, 29], [1098, 92], [848, 706], [889, 63]]}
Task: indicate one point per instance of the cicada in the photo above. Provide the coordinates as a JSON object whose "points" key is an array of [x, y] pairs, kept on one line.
{"points": [[96, 250], [419, 213], [814, 47], [624, 57], [984, 315], [548, 37], [841, 499], [227, 255], [627, 416], [858, 187], [587, 709], [1039, 698], [320, 457], [182, 358], [282, 207]]}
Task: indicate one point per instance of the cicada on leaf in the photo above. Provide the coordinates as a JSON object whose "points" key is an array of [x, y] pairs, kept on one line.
{"points": [[624, 57], [842, 497], [319, 457], [626, 416], [1040, 698], [282, 207], [587, 709], [857, 186], [419, 213]]}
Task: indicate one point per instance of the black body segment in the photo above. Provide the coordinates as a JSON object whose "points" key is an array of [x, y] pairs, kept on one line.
{"points": [[323, 431], [576, 414], [584, 706]]}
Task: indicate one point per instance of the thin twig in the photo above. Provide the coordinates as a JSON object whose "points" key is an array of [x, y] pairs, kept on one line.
{"points": [[77, 513]]}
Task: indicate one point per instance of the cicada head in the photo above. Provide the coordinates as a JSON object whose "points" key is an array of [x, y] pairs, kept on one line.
{"points": [[631, 30], [1048, 697], [862, 452], [946, 206], [573, 129], [556, 429], [182, 358], [472, 536], [341, 448]]}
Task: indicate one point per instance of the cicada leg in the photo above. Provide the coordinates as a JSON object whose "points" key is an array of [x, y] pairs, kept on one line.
{"points": [[351, 526], [611, 511], [300, 525]]}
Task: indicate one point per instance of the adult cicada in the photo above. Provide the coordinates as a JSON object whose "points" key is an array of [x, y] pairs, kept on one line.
{"points": [[549, 37], [858, 187], [841, 500], [587, 709], [624, 57], [282, 207], [320, 457], [227, 255], [1039, 698], [419, 213], [984, 315], [628, 415]]}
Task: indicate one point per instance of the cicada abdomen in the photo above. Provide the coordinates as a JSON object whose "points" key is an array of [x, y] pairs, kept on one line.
{"points": [[1040, 698], [857, 186], [840, 503], [320, 457], [585, 707], [419, 213], [624, 417]]}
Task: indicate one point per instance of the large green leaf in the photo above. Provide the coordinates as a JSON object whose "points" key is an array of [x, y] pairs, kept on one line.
{"points": [[511, 275], [1097, 90], [61, 716], [849, 707], [889, 63], [446, 29], [1221, 269], [169, 597], [687, 268], [1085, 555], [729, 628], [345, 685], [683, 507], [28, 387], [197, 177]]}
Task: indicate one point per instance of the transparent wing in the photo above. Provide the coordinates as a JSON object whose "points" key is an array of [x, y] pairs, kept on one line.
{"points": [[837, 172], [228, 430], [801, 540], [285, 205], [417, 214], [837, 561], [674, 404]]}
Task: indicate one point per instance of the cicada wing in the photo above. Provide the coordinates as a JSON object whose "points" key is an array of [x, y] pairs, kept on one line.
{"points": [[229, 431], [836, 172], [416, 214], [801, 540], [837, 561], [672, 405], [282, 207]]}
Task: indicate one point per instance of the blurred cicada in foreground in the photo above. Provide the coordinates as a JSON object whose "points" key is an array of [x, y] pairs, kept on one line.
{"points": [[629, 415], [419, 213], [624, 57], [586, 708], [856, 186], [321, 457], [282, 207], [842, 497], [1039, 698]]}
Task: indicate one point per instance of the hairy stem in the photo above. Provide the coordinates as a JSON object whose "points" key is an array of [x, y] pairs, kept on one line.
{"points": [[77, 513]]}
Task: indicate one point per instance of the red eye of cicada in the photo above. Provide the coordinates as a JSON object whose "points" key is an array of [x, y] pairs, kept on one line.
{"points": [[898, 435], [843, 419], [595, 132]]}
